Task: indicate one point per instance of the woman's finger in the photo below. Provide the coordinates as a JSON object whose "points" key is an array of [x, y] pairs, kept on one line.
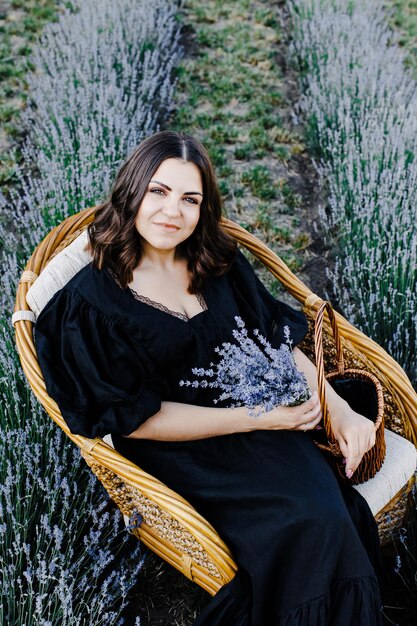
{"points": [[354, 456], [310, 424], [343, 448], [305, 420], [372, 440], [355, 449], [310, 404]]}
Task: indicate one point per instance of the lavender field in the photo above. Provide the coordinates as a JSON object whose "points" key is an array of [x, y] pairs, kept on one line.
{"points": [[101, 81], [334, 131], [361, 105]]}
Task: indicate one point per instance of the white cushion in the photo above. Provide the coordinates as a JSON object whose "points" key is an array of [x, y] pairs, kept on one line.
{"points": [[107, 439], [58, 272], [398, 467]]}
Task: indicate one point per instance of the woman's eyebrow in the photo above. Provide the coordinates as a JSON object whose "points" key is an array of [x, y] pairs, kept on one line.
{"points": [[187, 193]]}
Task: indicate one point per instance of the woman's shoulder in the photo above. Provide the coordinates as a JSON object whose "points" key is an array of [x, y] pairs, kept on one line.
{"points": [[89, 282], [92, 290], [241, 263], [241, 271]]}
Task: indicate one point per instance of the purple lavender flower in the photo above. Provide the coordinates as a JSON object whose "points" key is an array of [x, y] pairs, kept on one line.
{"points": [[254, 374]]}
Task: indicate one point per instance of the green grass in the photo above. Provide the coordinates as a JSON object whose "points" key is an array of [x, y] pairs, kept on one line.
{"points": [[260, 183], [229, 96], [292, 199], [404, 21]]}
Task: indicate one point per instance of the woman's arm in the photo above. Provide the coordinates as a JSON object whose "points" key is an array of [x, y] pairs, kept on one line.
{"points": [[184, 422]]}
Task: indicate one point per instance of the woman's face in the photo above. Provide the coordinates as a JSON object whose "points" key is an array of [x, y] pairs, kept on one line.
{"points": [[170, 208]]}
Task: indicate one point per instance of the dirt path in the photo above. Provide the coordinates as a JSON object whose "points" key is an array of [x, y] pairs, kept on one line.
{"points": [[236, 94]]}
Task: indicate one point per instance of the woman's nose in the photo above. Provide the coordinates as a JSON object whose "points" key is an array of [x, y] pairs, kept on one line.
{"points": [[171, 207]]}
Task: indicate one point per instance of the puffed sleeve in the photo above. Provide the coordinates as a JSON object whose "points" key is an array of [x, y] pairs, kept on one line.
{"points": [[93, 371], [262, 310]]}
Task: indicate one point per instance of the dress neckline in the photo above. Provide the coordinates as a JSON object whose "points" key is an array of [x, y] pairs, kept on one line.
{"points": [[158, 305], [165, 309]]}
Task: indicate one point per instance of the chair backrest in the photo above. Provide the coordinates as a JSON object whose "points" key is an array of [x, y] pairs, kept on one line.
{"points": [[172, 528]]}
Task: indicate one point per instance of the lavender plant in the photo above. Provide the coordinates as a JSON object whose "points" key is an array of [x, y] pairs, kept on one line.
{"points": [[102, 80], [361, 105], [47, 579], [253, 373]]}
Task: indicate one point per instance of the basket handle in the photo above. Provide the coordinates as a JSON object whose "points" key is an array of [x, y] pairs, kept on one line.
{"points": [[318, 342]]}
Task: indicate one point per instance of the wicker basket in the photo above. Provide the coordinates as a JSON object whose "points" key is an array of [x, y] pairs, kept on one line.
{"points": [[372, 460], [171, 527]]}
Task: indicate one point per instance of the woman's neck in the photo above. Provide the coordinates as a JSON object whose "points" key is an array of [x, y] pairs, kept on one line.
{"points": [[159, 259]]}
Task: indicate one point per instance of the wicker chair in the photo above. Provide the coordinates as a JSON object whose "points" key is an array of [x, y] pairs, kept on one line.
{"points": [[171, 527]]}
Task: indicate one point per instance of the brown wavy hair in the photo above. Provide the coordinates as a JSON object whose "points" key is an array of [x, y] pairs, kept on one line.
{"points": [[114, 239]]}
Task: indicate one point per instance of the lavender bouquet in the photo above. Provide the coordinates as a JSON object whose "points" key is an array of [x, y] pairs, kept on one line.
{"points": [[254, 374]]}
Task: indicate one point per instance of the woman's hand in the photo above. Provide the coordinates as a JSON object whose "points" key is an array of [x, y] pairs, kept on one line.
{"points": [[355, 435], [305, 416]]}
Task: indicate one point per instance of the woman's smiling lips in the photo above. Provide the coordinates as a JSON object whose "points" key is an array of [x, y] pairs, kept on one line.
{"points": [[167, 227]]}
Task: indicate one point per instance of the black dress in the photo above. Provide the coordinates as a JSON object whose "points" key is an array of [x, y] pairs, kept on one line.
{"points": [[306, 547]]}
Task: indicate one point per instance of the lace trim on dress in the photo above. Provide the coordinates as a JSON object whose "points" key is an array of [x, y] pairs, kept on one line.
{"points": [[162, 307]]}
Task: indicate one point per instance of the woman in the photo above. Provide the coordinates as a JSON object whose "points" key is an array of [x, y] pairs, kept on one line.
{"points": [[162, 291]]}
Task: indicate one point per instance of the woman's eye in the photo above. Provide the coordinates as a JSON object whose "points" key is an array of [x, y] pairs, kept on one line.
{"points": [[161, 192]]}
